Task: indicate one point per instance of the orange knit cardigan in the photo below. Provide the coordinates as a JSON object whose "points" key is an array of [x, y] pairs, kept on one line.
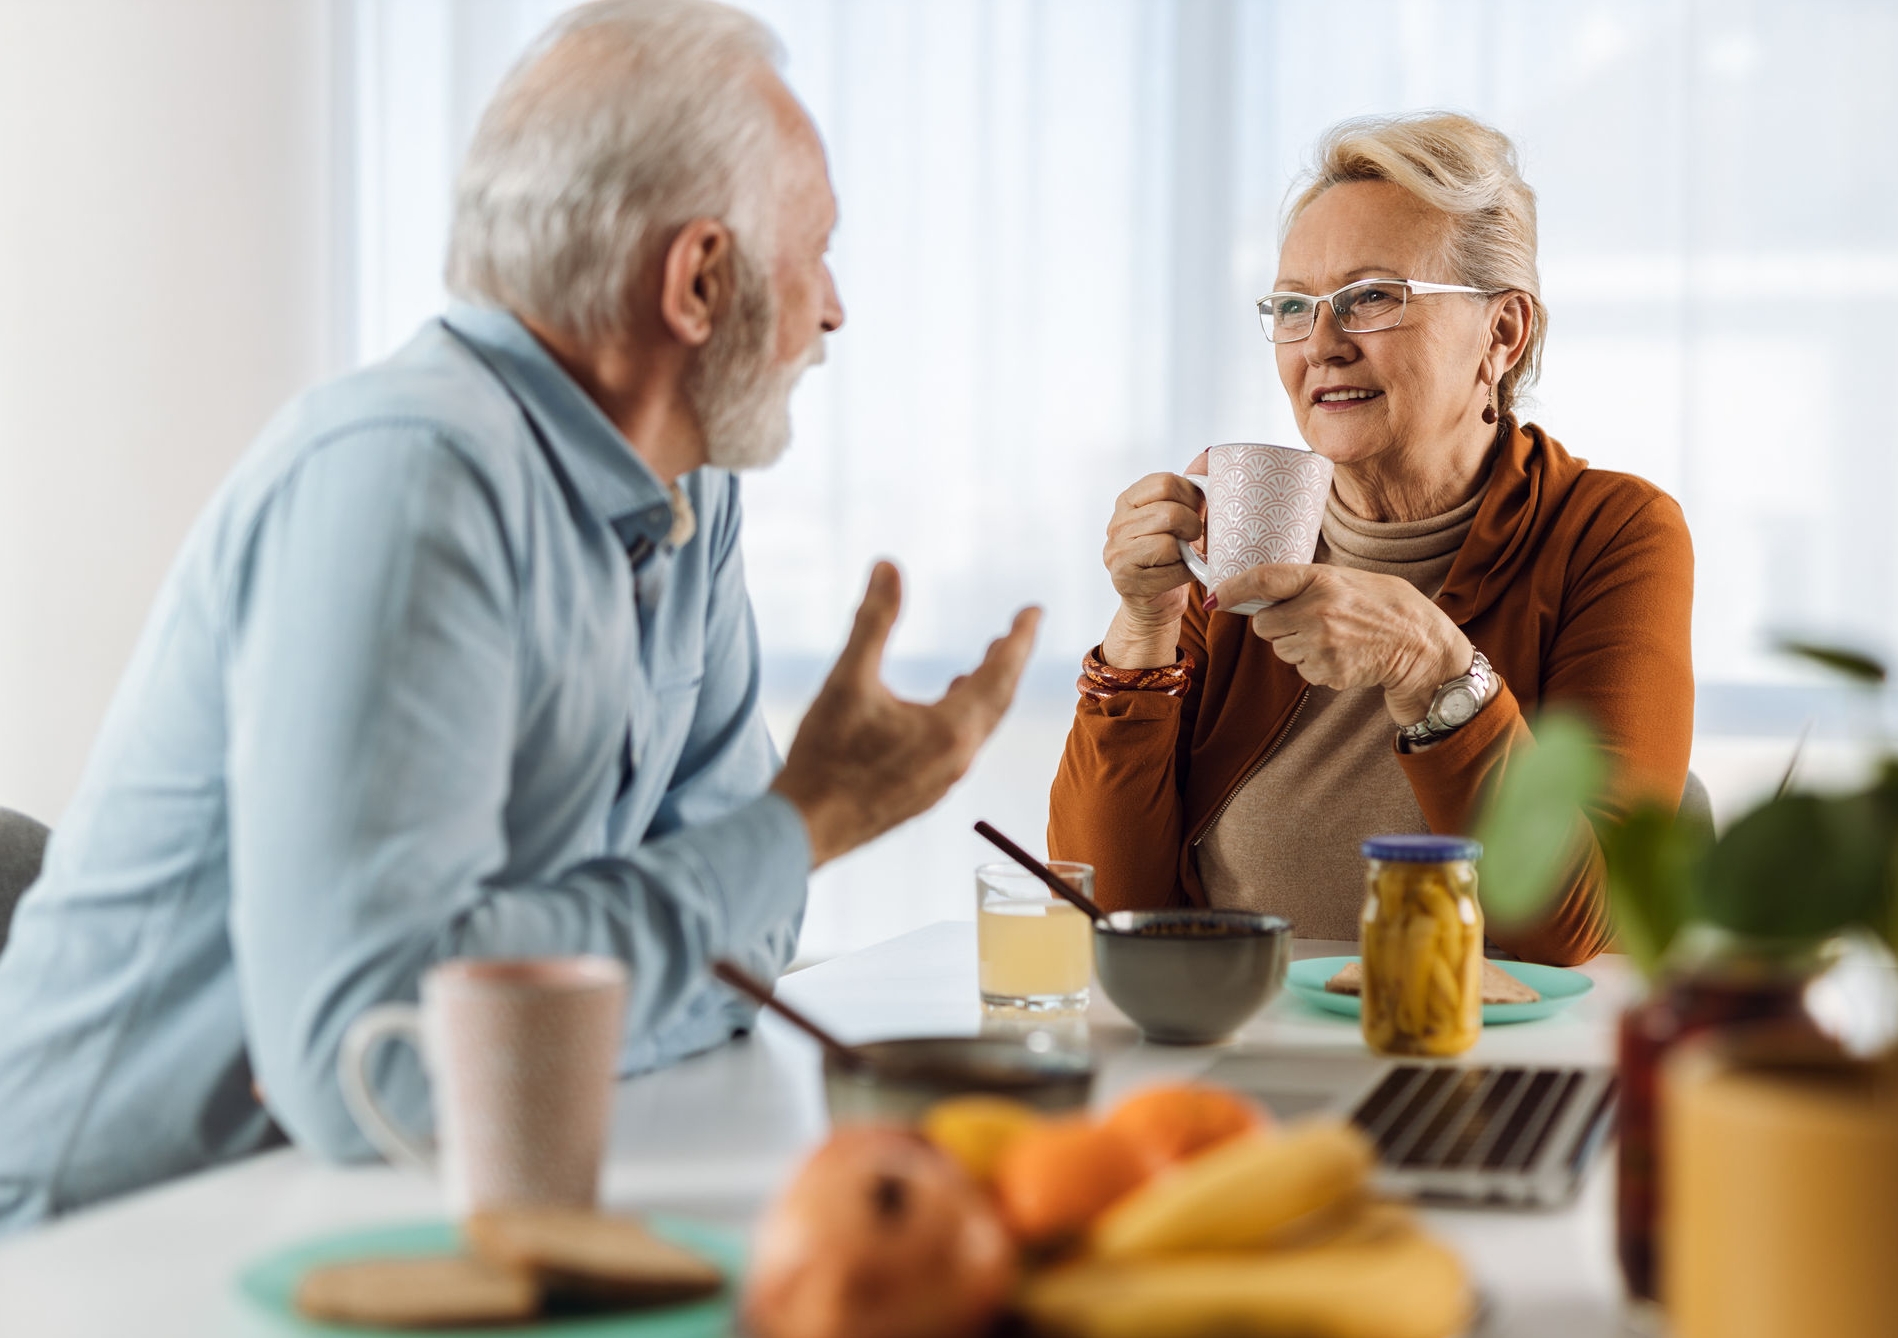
{"points": [[1577, 583]]}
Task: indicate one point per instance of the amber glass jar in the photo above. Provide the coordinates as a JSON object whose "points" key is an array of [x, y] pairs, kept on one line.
{"points": [[1421, 935], [1714, 979]]}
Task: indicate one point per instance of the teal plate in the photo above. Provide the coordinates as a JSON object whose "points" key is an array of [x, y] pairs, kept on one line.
{"points": [[1558, 986], [270, 1284]]}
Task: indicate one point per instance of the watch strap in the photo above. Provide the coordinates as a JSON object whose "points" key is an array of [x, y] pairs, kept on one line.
{"points": [[1479, 681]]}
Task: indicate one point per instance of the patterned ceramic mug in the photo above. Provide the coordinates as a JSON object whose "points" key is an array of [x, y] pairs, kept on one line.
{"points": [[520, 1056], [1263, 504]]}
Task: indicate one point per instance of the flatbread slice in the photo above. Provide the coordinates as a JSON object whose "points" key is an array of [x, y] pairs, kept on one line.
{"points": [[450, 1291], [1499, 987], [590, 1258], [1349, 980]]}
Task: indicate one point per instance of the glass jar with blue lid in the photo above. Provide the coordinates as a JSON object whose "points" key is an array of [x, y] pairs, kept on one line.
{"points": [[1421, 936]]}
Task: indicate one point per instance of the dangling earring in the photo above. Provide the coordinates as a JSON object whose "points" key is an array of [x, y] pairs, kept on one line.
{"points": [[1489, 410]]}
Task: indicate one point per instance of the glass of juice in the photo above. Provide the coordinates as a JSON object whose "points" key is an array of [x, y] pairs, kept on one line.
{"points": [[1034, 951]]}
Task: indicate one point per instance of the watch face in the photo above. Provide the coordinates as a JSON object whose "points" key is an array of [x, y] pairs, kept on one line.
{"points": [[1457, 706]]}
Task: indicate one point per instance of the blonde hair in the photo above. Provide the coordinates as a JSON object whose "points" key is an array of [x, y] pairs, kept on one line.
{"points": [[1466, 170]]}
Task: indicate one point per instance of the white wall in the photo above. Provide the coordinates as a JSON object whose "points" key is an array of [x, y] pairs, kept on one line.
{"points": [[166, 281]]}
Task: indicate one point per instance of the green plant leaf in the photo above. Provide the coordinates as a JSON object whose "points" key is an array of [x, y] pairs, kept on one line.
{"points": [[1655, 863], [1884, 792], [1890, 926], [1532, 821], [1855, 665], [1801, 865]]}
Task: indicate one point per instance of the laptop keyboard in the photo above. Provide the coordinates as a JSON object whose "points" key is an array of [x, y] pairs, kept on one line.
{"points": [[1428, 1119]]}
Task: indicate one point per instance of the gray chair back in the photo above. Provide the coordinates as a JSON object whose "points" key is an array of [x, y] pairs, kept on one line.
{"points": [[1696, 810], [22, 848]]}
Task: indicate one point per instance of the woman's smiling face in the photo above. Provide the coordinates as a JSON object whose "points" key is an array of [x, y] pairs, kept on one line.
{"points": [[1357, 396]]}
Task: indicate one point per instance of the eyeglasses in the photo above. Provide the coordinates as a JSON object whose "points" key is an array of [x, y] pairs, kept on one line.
{"points": [[1361, 307]]}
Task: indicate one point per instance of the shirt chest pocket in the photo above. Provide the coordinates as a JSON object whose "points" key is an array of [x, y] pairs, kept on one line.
{"points": [[669, 670], [657, 730]]}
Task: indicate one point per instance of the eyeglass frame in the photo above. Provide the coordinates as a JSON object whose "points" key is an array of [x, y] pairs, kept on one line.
{"points": [[1413, 288]]}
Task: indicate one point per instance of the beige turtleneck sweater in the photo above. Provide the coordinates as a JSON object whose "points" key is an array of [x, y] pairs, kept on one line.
{"points": [[1288, 840]]}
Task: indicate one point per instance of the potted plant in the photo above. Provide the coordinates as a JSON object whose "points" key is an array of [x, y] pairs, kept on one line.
{"points": [[1727, 929]]}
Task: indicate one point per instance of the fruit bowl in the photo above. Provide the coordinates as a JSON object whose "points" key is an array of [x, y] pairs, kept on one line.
{"points": [[906, 1077]]}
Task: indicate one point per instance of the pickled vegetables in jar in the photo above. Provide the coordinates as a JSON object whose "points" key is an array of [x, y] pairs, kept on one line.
{"points": [[1421, 936]]}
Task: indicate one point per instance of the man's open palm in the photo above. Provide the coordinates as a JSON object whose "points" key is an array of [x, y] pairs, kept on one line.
{"points": [[864, 760]]}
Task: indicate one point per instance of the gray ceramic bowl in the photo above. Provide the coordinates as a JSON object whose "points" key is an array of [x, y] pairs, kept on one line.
{"points": [[909, 1076], [1191, 977]]}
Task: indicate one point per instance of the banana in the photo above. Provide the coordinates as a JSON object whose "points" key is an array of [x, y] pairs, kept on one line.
{"points": [[977, 1129], [1382, 1278], [1241, 1193]]}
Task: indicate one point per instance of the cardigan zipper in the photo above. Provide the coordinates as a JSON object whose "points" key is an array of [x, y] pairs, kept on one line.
{"points": [[1253, 770]]}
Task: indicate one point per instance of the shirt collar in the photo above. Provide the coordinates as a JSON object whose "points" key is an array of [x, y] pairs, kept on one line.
{"points": [[609, 475]]}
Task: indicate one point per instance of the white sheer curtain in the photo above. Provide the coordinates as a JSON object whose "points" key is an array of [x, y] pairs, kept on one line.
{"points": [[1055, 214]]}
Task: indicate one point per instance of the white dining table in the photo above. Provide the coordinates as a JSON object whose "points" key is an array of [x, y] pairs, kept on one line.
{"points": [[714, 1136]]}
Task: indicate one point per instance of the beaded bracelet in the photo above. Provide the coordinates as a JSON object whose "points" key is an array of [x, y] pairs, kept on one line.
{"points": [[1100, 680]]}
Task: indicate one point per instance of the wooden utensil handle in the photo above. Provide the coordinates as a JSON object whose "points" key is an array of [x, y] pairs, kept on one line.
{"points": [[747, 984], [1055, 882]]}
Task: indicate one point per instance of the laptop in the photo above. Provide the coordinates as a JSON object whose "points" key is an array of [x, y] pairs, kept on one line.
{"points": [[1499, 1135]]}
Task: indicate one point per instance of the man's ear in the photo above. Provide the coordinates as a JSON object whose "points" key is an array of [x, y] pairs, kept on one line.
{"points": [[696, 281]]}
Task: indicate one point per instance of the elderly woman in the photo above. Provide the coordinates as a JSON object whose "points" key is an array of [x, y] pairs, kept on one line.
{"points": [[1471, 571]]}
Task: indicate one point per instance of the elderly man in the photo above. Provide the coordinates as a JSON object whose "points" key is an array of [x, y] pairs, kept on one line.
{"points": [[459, 661]]}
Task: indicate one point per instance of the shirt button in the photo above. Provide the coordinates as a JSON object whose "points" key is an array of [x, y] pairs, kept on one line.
{"points": [[659, 515]]}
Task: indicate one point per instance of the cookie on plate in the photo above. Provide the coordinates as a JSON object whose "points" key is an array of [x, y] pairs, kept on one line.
{"points": [[436, 1292], [1499, 987], [590, 1258], [1349, 980]]}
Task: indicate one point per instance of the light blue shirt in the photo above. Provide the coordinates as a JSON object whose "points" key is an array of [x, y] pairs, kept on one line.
{"points": [[406, 695]]}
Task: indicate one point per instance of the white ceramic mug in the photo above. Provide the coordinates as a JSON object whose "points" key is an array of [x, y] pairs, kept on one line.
{"points": [[1263, 504], [521, 1057]]}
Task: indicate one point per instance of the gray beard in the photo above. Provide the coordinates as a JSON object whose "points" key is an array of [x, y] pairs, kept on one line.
{"points": [[743, 403]]}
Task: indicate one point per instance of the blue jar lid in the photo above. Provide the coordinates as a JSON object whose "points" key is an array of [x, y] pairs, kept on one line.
{"points": [[1421, 849]]}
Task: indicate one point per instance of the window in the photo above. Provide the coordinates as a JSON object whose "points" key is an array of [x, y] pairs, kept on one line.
{"points": [[1056, 215]]}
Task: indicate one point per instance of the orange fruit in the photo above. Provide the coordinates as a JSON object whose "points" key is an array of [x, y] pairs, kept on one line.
{"points": [[1168, 1124], [1052, 1180]]}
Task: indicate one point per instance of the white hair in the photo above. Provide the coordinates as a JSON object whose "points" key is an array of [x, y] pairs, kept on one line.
{"points": [[625, 119]]}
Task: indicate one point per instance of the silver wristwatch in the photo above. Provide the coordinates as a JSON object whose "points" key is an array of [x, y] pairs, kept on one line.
{"points": [[1454, 706]]}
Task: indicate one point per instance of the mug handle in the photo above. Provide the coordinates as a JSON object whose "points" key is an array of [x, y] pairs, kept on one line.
{"points": [[1197, 564], [396, 1021], [1188, 554]]}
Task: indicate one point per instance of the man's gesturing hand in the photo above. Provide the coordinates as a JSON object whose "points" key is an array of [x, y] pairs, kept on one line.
{"points": [[864, 761]]}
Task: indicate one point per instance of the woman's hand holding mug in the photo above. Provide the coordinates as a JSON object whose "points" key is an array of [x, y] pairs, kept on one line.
{"points": [[1254, 504], [1150, 522], [1343, 628]]}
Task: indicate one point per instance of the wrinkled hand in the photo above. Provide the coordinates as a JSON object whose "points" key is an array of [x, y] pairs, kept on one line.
{"points": [[863, 760], [1142, 557], [1344, 628]]}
